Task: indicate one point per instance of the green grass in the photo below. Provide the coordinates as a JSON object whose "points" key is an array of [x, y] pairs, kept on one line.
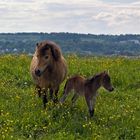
{"points": [[117, 114]]}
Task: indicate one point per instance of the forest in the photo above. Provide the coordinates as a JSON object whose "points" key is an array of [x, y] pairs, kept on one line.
{"points": [[72, 43]]}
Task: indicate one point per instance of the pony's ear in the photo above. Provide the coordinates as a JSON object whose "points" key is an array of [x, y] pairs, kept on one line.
{"points": [[37, 45], [55, 53]]}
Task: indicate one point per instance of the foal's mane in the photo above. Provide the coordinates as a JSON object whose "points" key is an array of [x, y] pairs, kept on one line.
{"points": [[92, 79]]}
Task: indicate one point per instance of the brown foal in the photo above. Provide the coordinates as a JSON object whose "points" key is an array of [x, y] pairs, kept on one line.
{"points": [[87, 88]]}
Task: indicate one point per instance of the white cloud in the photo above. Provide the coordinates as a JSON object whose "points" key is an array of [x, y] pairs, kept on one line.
{"points": [[85, 16], [120, 18]]}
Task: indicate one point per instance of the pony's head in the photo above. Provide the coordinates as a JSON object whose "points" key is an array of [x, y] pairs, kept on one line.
{"points": [[47, 54]]}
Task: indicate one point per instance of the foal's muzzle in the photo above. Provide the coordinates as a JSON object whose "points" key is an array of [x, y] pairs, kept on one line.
{"points": [[111, 89]]}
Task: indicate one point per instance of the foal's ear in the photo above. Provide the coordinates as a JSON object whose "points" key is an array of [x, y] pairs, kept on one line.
{"points": [[104, 73], [108, 71], [55, 53]]}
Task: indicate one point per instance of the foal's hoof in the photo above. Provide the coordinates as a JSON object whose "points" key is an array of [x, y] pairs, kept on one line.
{"points": [[55, 100], [39, 95], [91, 113], [44, 106]]}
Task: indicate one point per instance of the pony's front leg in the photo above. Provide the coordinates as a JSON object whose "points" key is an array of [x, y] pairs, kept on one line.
{"points": [[51, 93], [38, 89], [44, 98], [55, 99]]}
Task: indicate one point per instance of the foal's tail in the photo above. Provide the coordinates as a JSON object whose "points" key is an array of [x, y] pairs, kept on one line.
{"points": [[67, 89]]}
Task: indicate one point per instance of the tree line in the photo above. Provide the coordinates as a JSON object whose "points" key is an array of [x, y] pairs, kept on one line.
{"points": [[83, 44]]}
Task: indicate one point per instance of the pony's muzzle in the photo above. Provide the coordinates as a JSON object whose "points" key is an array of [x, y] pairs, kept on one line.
{"points": [[38, 72]]}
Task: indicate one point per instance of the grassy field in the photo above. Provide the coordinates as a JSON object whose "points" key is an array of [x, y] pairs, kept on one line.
{"points": [[117, 114]]}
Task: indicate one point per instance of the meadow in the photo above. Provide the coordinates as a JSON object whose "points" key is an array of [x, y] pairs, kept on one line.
{"points": [[117, 114]]}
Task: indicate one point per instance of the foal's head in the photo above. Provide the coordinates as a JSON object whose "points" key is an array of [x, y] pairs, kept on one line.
{"points": [[106, 81]]}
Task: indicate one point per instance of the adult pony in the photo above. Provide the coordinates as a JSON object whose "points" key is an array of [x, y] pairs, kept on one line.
{"points": [[48, 69]]}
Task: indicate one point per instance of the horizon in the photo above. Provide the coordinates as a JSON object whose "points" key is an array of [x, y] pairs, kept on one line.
{"points": [[66, 33]]}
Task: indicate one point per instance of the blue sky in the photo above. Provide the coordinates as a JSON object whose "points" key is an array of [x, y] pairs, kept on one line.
{"points": [[80, 16]]}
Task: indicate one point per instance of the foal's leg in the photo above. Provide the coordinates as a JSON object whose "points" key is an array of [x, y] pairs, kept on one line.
{"points": [[89, 102], [74, 98], [63, 98], [65, 94], [44, 98], [94, 101]]}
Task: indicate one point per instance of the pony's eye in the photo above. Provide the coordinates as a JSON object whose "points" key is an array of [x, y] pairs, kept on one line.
{"points": [[46, 57]]}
